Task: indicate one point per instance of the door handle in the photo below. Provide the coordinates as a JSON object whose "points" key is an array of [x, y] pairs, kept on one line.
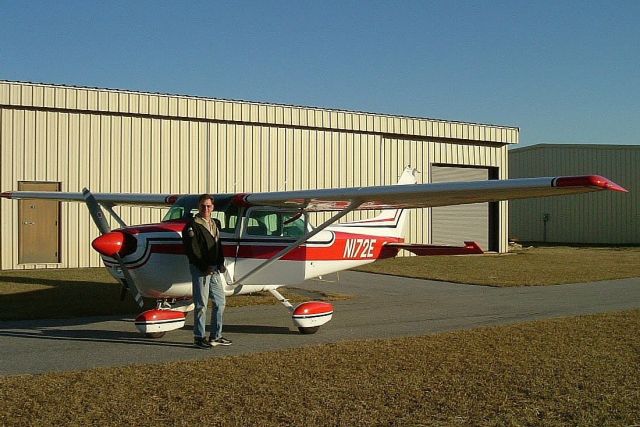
{"points": [[29, 223]]}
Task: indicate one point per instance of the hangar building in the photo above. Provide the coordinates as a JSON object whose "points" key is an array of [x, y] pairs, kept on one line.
{"points": [[66, 138], [605, 217]]}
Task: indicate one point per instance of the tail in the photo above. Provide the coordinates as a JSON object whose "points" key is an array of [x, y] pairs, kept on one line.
{"points": [[390, 222]]}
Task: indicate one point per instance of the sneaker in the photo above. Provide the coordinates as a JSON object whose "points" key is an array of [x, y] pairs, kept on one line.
{"points": [[219, 341], [202, 343]]}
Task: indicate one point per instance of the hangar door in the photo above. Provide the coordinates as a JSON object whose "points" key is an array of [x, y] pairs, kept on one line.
{"points": [[452, 225], [38, 227]]}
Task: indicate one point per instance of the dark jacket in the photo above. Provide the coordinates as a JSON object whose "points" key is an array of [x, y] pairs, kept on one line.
{"points": [[202, 249]]}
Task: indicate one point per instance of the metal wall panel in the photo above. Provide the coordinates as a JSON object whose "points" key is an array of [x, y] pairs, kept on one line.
{"points": [[104, 101], [124, 141], [600, 218], [453, 225]]}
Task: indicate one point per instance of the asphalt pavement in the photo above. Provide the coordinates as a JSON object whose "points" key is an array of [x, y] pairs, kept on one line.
{"points": [[380, 307]]}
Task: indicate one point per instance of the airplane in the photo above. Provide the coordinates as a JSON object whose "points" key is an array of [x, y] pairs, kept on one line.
{"points": [[269, 242]]}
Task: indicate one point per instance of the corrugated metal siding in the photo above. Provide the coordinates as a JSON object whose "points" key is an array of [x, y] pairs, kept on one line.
{"points": [[111, 141], [453, 225], [604, 217], [30, 95]]}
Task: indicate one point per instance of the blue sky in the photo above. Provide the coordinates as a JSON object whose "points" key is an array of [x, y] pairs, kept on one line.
{"points": [[562, 71]]}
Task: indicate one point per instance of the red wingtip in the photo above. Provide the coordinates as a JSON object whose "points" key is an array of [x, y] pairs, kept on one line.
{"points": [[6, 194], [240, 199], [588, 181], [170, 200]]}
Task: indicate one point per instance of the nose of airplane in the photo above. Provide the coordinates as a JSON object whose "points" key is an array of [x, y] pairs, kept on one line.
{"points": [[115, 243]]}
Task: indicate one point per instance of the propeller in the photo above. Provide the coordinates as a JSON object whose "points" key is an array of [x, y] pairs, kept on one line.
{"points": [[105, 230]]}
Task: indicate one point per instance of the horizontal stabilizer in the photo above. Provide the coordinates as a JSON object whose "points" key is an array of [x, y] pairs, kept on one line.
{"points": [[469, 248]]}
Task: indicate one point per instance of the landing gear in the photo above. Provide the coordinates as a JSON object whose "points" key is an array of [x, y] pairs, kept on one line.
{"points": [[155, 323], [308, 316]]}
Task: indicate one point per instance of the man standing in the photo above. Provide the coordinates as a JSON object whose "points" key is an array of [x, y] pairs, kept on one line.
{"points": [[201, 240]]}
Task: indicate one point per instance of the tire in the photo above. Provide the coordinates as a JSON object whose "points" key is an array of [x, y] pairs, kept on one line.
{"points": [[154, 335], [308, 331]]}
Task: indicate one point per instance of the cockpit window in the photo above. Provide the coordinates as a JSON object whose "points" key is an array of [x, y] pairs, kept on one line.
{"points": [[175, 212], [293, 224], [228, 218], [275, 223]]}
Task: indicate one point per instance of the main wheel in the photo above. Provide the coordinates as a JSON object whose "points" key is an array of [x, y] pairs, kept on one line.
{"points": [[154, 334], [308, 331]]}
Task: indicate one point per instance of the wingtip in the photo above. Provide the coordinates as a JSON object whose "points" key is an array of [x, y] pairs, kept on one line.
{"points": [[588, 181], [240, 200], [171, 199]]}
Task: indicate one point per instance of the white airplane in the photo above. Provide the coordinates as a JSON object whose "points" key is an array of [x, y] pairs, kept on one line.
{"points": [[268, 241]]}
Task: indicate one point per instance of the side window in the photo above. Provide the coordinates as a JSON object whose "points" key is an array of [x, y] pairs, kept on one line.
{"points": [[228, 219], [275, 224], [293, 225], [174, 213], [261, 223]]}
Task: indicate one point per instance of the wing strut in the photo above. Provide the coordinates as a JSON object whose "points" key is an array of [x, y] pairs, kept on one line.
{"points": [[109, 208], [103, 226], [352, 206]]}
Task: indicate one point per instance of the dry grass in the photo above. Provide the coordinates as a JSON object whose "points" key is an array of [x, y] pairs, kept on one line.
{"points": [[32, 294], [534, 266], [575, 371], [68, 293]]}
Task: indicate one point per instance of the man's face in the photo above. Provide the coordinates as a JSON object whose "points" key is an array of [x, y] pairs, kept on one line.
{"points": [[205, 208]]}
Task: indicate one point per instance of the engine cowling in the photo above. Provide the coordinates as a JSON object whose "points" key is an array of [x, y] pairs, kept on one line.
{"points": [[115, 243]]}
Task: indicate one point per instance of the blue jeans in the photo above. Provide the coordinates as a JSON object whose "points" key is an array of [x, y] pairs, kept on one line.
{"points": [[203, 287]]}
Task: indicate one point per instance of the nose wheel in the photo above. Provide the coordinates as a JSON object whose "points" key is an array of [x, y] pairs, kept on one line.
{"points": [[309, 330]]}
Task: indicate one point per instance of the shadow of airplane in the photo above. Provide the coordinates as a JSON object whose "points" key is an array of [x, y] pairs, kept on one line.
{"points": [[58, 330], [92, 335], [253, 329]]}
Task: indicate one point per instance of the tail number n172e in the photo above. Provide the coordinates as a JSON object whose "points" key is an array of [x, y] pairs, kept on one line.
{"points": [[359, 248]]}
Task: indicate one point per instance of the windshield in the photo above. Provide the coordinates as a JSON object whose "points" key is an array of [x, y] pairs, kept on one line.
{"points": [[228, 218], [175, 212]]}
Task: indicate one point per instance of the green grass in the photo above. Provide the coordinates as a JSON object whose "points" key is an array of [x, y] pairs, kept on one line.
{"points": [[68, 293], [533, 266], [575, 371]]}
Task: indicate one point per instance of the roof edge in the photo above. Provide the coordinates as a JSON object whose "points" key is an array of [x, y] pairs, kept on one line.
{"points": [[412, 127]]}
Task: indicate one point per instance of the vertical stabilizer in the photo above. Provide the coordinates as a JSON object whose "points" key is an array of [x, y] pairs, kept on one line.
{"points": [[390, 222]]}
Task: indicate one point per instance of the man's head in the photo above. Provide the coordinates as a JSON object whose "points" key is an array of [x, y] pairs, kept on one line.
{"points": [[205, 205]]}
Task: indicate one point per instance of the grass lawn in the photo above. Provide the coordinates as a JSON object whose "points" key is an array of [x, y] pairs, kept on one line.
{"points": [[549, 265], [576, 371]]}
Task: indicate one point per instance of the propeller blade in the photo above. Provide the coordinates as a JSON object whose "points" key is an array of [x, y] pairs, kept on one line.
{"points": [[103, 226], [124, 289], [129, 283], [95, 211]]}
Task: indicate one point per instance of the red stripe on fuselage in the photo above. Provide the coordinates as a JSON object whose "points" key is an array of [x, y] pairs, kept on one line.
{"points": [[162, 227], [344, 246]]}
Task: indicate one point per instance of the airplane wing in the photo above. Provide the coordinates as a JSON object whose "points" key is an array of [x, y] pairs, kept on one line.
{"points": [[430, 195], [137, 199], [375, 197]]}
